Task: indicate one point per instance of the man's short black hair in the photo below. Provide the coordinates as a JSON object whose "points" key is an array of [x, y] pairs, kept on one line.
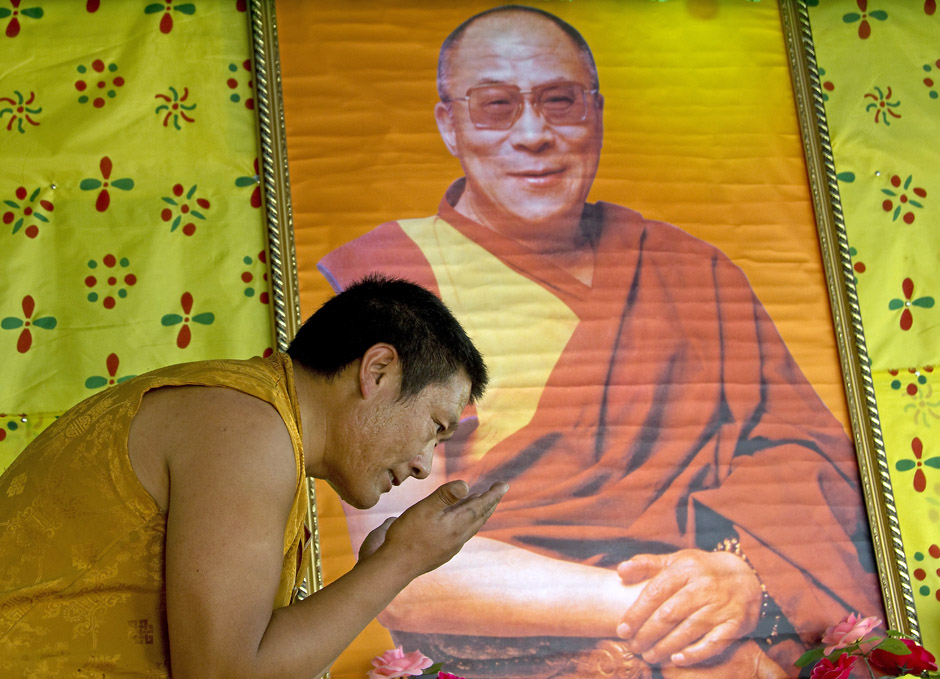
{"points": [[430, 342], [443, 62]]}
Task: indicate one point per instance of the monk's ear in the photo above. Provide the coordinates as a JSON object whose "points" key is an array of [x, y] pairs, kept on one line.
{"points": [[600, 117], [445, 125], [379, 370]]}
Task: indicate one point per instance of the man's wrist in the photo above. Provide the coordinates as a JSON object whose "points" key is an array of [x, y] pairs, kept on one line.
{"points": [[770, 616]]}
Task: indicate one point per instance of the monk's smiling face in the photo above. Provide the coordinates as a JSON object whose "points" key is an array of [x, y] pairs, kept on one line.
{"points": [[535, 175]]}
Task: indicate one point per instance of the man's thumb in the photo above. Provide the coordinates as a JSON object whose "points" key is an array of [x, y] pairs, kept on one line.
{"points": [[639, 568], [452, 492]]}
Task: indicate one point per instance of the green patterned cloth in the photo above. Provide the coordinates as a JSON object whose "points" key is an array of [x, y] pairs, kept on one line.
{"points": [[130, 220]]}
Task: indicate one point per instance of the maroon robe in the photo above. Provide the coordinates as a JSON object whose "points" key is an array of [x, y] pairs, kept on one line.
{"points": [[675, 417]]}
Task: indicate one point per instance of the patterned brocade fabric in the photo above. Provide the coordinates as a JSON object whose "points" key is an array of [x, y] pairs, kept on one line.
{"points": [[82, 542]]}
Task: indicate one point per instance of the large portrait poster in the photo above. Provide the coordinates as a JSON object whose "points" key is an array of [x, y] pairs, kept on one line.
{"points": [[665, 397]]}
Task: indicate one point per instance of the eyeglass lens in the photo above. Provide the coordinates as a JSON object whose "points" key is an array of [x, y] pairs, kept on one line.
{"points": [[498, 106]]}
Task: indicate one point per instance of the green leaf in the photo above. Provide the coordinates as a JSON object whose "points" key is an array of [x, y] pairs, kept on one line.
{"points": [[189, 194], [17, 225], [186, 9], [245, 181], [905, 465], [12, 204], [851, 17], [171, 319], [176, 223], [89, 184], [879, 14], [896, 304], [810, 656], [123, 184], [897, 210], [35, 193], [431, 672], [46, 322], [895, 646], [40, 217], [923, 302], [847, 177], [4, 12], [894, 634], [11, 323], [197, 215], [95, 382], [206, 318], [889, 192], [839, 652], [32, 12], [153, 8], [121, 380], [933, 462], [915, 203], [907, 182]]}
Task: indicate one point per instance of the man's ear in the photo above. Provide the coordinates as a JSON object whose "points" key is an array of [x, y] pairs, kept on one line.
{"points": [[445, 125], [600, 116], [378, 368]]}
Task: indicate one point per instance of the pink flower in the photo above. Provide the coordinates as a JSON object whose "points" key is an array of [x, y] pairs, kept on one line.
{"points": [[850, 630], [826, 669], [397, 663], [915, 662], [447, 675]]}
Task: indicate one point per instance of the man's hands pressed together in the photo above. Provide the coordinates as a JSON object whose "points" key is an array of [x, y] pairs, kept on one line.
{"points": [[432, 531]]}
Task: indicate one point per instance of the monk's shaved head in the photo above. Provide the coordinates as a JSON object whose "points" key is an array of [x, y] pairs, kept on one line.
{"points": [[499, 15]]}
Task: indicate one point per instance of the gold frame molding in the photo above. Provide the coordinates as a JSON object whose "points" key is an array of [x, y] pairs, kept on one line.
{"points": [[276, 190], [846, 316]]}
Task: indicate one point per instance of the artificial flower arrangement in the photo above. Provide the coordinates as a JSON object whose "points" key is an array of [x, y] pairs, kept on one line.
{"points": [[396, 663], [853, 639]]}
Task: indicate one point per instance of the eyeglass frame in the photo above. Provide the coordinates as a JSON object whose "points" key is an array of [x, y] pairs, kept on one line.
{"points": [[535, 101]]}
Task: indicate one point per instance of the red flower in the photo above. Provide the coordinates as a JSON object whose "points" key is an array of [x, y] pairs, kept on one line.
{"points": [[917, 661], [826, 669]]}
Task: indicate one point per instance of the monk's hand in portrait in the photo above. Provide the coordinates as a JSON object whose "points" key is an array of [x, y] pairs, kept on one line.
{"points": [[430, 532], [694, 605]]}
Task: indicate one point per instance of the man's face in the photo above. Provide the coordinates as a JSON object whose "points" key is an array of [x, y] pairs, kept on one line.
{"points": [[535, 172], [391, 440]]}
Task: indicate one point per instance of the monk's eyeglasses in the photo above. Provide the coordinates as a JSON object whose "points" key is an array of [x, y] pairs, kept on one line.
{"points": [[498, 107]]}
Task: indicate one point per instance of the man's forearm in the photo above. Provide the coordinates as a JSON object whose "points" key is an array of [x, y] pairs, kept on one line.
{"points": [[303, 639], [494, 589]]}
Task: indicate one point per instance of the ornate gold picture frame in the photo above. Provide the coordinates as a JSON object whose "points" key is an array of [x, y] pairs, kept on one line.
{"points": [[873, 460], [837, 263], [277, 207]]}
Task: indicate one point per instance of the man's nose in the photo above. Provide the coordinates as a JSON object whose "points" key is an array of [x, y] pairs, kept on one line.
{"points": [[421, 463], [531, 131]]}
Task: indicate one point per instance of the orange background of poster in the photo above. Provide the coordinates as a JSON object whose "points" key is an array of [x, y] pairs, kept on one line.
{"points": [[700, 131]]}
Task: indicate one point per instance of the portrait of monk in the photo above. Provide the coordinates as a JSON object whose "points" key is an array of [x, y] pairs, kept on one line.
{"points": [[681, 500]]}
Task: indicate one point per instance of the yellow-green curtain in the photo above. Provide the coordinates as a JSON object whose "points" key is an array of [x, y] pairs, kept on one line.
{"points": [[130, 224], [879, 63]]}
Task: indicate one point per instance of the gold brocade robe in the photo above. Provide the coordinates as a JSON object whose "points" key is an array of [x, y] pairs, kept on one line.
{"points": [[82, 589]]}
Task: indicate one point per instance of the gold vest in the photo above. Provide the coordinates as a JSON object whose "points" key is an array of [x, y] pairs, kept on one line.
{"points": [[82, 543]]}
